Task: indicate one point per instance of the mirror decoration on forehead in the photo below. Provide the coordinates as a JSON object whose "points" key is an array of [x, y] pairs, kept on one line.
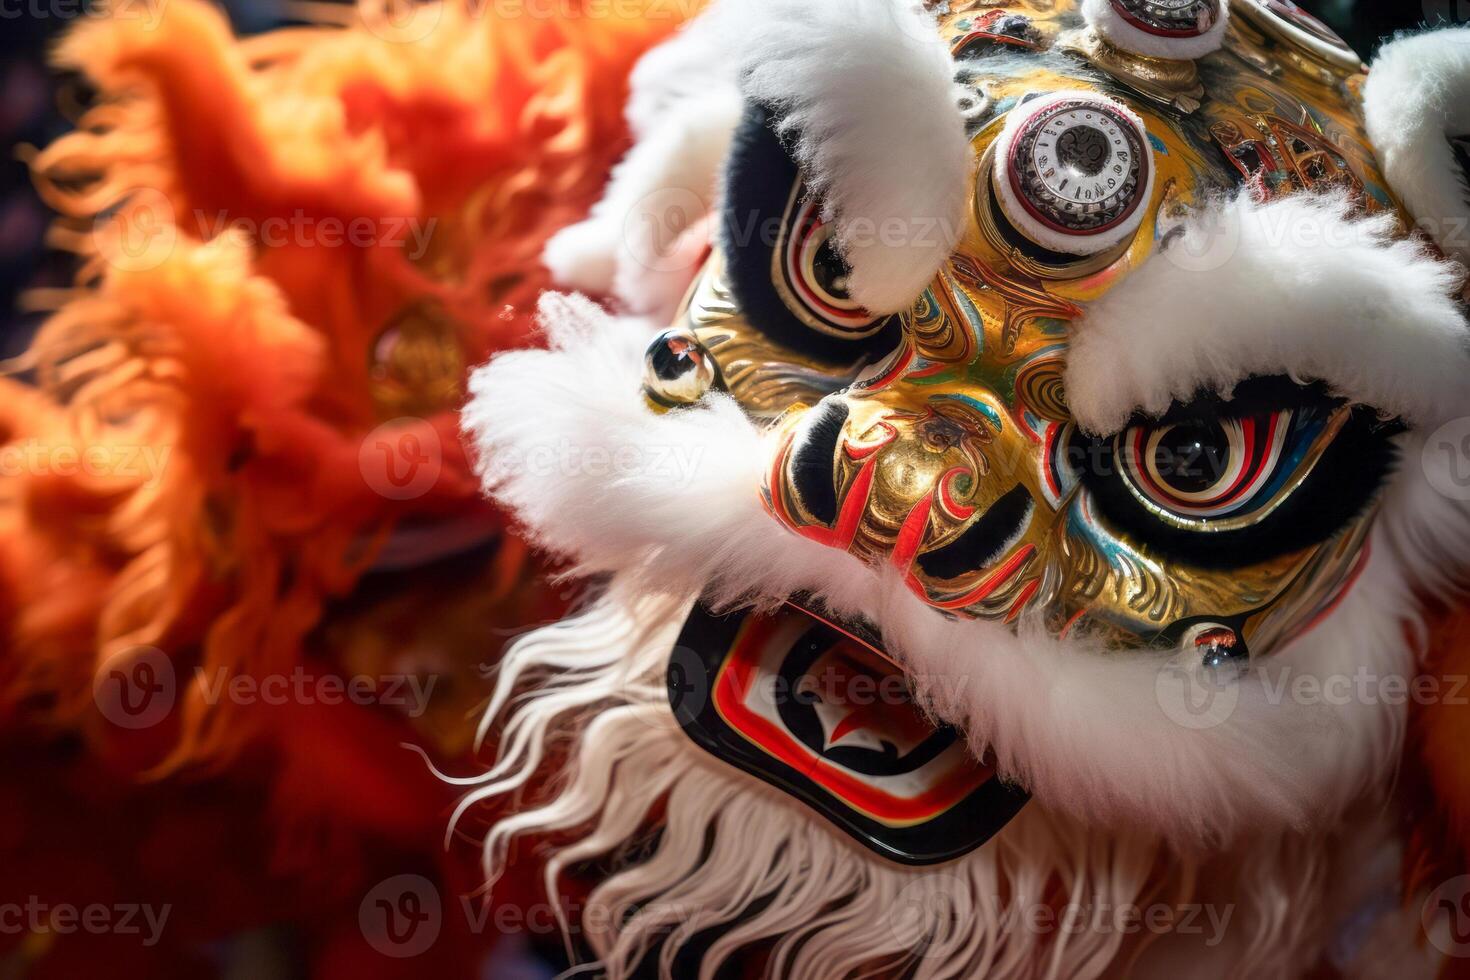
{"points": [[1072, 172], [1173, 30]]}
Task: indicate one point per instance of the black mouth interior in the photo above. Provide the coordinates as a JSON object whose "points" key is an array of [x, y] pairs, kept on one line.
{"points": [[814, 708], [813, 687]]}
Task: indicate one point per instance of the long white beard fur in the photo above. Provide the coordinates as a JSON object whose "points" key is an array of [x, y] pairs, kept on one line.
{"points": [[738, 855]]}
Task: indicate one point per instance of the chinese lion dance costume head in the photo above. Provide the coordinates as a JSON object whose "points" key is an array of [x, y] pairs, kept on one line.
{"points": [[1056, 386]]}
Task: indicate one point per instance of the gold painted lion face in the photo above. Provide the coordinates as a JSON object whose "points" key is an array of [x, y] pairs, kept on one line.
{"points": [[939, 441]]}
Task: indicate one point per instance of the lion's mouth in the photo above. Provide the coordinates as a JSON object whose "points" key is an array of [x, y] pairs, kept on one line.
{"points": [[813, 707]]}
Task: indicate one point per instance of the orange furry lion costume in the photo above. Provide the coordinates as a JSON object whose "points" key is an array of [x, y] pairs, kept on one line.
{"points": [[237, 456]]}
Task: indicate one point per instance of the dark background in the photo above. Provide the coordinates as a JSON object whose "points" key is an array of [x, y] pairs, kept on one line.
{"points": [[36, 106]]}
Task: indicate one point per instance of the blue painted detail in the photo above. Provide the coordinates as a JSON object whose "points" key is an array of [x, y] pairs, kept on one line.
{"points": [[975, 323], [987, 411]]}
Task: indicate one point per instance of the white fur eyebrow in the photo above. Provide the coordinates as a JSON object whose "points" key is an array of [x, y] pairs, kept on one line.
{"points": [[1301, 285], [1415, 99], [878, 132]]}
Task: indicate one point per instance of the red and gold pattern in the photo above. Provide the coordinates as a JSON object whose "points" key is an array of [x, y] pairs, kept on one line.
{"points": [[965, 422]]}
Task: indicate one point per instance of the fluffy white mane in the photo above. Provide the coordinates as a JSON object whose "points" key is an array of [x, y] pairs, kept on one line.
{"points": [[741, 856], [1302, 285], [1254, 804], [1416, 102], [878, 133]]}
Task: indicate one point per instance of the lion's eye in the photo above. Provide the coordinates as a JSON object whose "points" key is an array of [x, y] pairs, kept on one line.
{"points": [[1218, 483], [1213, 468], [785, 272], [816, 277]]}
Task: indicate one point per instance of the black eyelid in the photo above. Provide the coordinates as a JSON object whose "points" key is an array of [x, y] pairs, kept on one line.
{"points": [[980, 543], [1252, 397], [759, 176]]}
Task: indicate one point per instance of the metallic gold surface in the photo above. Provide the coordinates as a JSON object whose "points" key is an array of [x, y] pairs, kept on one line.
{"points": [[418, 363], [764, 376], [1173, 83], [971, 408]]}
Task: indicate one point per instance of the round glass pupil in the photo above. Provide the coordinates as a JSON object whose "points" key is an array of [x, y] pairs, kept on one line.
{"points": [[1191, 458], [829, 271]]}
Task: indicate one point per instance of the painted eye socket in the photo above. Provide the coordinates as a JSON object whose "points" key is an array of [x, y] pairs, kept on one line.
{"points": [[1219, 483], [1072, 171], [816, 277], [786, 281], [1203, 469]]}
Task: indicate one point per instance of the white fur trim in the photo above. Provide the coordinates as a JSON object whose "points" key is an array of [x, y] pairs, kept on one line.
{"points": [[868, 87], [683, 111], [739, 858], [1033, 229], [1416, 97], [1298, 286], [670, 504], [1111, 25]]}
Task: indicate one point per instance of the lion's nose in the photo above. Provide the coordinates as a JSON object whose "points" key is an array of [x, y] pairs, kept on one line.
{"points": [[943, 487]]}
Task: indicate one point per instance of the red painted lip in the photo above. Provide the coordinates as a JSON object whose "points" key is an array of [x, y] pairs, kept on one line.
{"points": [[740, 674]]}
